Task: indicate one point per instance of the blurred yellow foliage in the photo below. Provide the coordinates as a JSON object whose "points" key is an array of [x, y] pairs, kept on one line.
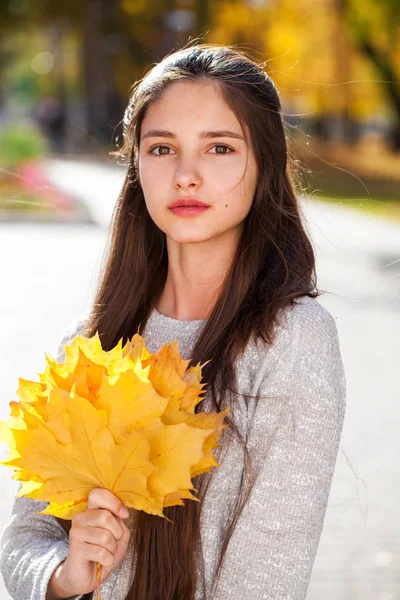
{"points": [[310, 50]]}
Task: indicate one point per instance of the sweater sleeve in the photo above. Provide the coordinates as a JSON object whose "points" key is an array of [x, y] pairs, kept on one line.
{"points": [[33, 545], [273, 547]]}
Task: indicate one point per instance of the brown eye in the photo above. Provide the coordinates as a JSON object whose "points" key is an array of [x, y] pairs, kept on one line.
{"points": [[225, 148], [160, 153]]}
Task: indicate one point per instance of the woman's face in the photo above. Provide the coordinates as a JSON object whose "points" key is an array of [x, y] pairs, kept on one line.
{"points": [[181, 161]]}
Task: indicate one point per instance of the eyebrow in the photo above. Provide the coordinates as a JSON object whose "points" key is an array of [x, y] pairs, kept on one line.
{"points": [[204, 134]]}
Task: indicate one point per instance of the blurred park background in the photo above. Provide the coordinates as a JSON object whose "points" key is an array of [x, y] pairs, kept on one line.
{"points": [[66, 69]]}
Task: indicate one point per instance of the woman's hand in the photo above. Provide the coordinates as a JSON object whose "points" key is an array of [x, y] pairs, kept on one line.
{"points": [[97, 535]]}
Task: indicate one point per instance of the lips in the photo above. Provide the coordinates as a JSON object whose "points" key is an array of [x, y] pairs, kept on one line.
{"points": [[188, 202]]}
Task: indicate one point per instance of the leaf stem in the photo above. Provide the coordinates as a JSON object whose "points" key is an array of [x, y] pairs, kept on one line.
{"points": [[98, 575]]}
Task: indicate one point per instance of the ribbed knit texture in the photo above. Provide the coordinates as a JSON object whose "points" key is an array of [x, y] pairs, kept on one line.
{"points": [[293, 435]]}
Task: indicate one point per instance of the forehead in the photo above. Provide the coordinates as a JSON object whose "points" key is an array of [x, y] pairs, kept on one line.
{"points": [[188, 106]]}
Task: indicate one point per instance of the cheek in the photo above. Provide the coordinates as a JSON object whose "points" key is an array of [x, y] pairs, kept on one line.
{"points": [[150, 184], [234, 207], [235, 182], [145, 177], [224, 179], [153, 208], [230, 211], [239, 196]]}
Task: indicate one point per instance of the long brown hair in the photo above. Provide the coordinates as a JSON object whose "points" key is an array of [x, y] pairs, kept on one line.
{"points": [[273, 265]]}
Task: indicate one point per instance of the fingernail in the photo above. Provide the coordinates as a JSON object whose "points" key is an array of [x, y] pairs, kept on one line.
{"points": [[124, 512]]}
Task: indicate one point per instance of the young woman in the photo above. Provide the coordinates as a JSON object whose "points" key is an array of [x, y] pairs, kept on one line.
{"points": [[208, 247]]}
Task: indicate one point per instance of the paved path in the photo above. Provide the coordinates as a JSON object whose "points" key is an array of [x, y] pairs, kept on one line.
{"points": [[51, 270]]}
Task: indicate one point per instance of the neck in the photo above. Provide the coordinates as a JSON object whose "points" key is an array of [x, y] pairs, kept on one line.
{"points": [[196, 273]]}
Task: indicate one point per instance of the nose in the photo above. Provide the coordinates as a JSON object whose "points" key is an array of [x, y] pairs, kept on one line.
{"points": [[187, 175]]}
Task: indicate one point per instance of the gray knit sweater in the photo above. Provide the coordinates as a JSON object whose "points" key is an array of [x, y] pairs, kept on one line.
{"points": [[293, 435]]}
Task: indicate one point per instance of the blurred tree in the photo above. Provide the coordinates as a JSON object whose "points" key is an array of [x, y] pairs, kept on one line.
{"points": [[101, 41], [323, 54], [118, 38], [243, 23], [323, 69], [375, 26], [95, 23]]}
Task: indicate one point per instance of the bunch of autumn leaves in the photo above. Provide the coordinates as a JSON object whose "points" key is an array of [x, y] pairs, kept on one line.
{"points": [[123, 420]]}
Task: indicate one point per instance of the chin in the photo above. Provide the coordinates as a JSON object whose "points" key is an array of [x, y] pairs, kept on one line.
{"points": [[189, 237]]}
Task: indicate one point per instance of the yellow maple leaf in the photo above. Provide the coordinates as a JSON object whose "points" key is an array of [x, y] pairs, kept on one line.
{"points": [[123, 420]]}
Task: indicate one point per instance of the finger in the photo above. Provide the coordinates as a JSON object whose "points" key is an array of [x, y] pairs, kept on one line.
{"points": [[126, 535], [124, 528], [99, 554], [97, 536], [103, 518], [101, 498]]}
